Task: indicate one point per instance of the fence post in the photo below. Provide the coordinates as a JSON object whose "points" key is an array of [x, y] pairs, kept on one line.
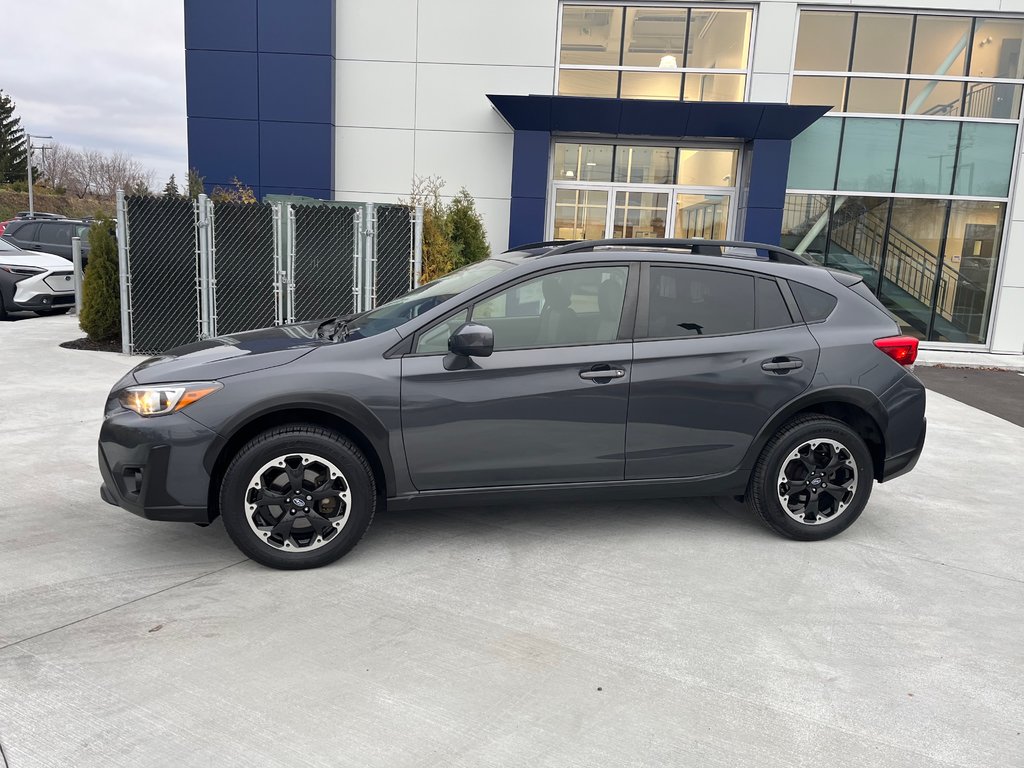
{"points": [[358, 248], [203, 228], [124, 276], [289, 275], [370, 255], [76, 262], [417, 245], [279, 249]]}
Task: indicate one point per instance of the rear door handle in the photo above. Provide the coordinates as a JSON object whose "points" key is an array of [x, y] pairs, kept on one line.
{"points": [[606, 373], [782, 364]]}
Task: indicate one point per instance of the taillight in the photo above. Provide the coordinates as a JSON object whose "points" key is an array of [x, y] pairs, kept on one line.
{"points": [[902, 349], [3, 226]]}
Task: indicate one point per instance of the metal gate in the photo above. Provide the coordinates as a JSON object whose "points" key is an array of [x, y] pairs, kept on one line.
{"points": [[195, 269]]}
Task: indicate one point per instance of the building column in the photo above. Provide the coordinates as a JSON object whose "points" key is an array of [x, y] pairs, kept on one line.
{"points": [[530, 152], [766, 190]]}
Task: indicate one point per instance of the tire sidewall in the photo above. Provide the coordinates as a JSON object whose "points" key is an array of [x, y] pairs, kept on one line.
{"points": [[771, 506], [268, 447]]}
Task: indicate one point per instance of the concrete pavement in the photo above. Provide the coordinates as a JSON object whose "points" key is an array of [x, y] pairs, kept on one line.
{"points": [[646, 634]]}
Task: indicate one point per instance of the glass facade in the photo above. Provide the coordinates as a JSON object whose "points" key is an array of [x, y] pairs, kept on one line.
{"points": [[668, 52], [907, 180]]}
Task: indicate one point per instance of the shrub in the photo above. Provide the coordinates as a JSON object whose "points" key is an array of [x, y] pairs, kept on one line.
{"points": [[101, 290], [467, 230], [453, 234]]}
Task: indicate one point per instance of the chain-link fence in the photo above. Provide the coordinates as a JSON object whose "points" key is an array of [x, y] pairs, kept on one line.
{"points": [[195, 269]]}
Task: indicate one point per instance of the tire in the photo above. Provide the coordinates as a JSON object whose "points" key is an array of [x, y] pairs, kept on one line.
{"points": [[327, 517], [825, 487], [55, 311]]}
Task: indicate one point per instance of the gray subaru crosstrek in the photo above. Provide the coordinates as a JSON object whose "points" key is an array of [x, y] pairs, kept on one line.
{"points": [[602, 369]]}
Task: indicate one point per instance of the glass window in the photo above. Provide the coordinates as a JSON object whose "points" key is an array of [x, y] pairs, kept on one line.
{"points": [[580, 214], [814, 154], [814, 305], [940, 45], [882, 42], [707, 167], [587, 82], [54, 234], [986, 159], [816, 26], [857, 235], [591, 34], [932, 97], [651, 85], [770, 310], [645, 165], [911, 261], [582, 162], [576, 306], [640, 214], [968, 271], [999, 100], [927, 155], [805, 224], [655, 37], [26, 233], [435, 340], [819, 91], [699, 302], [996, 48], [875, 95], [704, 216], [705, 87], [719, 38], [868, 158]]}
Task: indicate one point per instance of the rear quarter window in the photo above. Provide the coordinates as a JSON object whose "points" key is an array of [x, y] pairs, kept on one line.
{"points": [[814, 305]]}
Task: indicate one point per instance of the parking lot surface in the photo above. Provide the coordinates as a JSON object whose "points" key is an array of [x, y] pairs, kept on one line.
{"points": [[660, 633]]}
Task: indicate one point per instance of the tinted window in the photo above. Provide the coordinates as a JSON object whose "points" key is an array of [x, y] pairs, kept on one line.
{"points": [[57, 234], [699, 302], [814, 304], [576, 306], [25, 232], [770, 308], [435, 340]]}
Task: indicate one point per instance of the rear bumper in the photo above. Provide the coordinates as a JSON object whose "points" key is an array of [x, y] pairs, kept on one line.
{"points": [[902, 463], [154, 467]]}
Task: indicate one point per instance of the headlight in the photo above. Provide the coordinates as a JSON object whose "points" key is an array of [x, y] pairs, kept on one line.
{"points": [[158, 399], [21, 270]]}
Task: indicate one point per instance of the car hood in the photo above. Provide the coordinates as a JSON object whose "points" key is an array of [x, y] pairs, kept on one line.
{"points": [[225, 356], [33, 259]]}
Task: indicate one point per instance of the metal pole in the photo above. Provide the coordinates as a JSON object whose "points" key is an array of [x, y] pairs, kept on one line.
{"points": [[31, 200], [204, 250], [76, 261], [417, 257], [124, 275]]}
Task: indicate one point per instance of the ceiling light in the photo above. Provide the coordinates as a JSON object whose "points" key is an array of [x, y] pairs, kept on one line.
{"points": [[668, 61]]}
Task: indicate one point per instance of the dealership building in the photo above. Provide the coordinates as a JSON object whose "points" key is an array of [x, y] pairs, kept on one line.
{"points": [[881, 139]]}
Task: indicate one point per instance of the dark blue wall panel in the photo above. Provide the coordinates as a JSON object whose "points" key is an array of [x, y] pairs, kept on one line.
{"points": [[295, 155], [295, 88], [526, 221], [530, 151], [297, 26], [223, 149], [769, 169], [220, 25], [763, 225], [229, 86]]}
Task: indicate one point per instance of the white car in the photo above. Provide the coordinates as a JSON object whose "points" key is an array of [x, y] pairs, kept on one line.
{"points": [[34, 281]]}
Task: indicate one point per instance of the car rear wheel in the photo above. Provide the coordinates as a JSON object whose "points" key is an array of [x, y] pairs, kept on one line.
{"points": [[813, 479], [299, 496]]}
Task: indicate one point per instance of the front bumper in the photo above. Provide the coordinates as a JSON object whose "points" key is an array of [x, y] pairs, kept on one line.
{"points": [[154, 467]]}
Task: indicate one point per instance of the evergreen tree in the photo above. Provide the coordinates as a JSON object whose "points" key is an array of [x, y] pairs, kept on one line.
{"points": [[467, 230], [13, 144], [196, 183], [171, 188], [101, 288]]}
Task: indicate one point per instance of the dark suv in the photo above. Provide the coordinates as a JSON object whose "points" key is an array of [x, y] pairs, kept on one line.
{"points": [[49, 235], [604, 369]]}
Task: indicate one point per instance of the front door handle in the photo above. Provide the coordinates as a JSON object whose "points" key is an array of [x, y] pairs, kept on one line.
{"points": [[782, 364], [605, 373]]}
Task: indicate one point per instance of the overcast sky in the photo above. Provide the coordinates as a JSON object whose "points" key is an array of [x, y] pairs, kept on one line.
{"points": [[103, 74]]}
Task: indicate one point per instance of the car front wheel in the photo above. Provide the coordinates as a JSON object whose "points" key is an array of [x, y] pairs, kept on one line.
{"points": [[299, 496], [813, 479]]}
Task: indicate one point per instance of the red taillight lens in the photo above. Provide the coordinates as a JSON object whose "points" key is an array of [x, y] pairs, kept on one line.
{"points": [[902, 349]]}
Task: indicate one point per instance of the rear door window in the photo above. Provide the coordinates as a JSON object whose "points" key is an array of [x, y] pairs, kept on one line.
{"points": [[26, 233], [769, 307], [684, 301], [54, 234]]}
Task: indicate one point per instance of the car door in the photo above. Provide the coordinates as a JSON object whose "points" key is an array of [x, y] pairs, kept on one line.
{"points": [[717, 352], [55, 237], [548, 406]]}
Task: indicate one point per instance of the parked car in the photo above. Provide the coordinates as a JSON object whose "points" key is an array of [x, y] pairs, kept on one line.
{"points": [[27, 215], [34, 281], [50, 235], [605, 369]]}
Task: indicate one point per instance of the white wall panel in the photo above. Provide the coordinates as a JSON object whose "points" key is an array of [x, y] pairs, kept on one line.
{"points": [[775, 37], [375, 30], [453, 96], [374, 94], [481, 162], [769, 86], [372, 160], [476, 32], [1008, 328]]}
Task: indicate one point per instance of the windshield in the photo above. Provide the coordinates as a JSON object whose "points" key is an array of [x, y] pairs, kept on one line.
{"points": [[416, 302], [5, 246]]}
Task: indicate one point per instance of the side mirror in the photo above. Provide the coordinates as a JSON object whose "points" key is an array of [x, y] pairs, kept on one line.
{"points": [[472, 340]]}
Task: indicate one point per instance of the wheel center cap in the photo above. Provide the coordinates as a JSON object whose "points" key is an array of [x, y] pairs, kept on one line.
{"points": [[816, 481], [299, 503]]}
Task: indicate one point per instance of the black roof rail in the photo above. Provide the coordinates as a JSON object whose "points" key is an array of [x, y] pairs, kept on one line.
{"points": [[696, 246], [541, 244]]}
